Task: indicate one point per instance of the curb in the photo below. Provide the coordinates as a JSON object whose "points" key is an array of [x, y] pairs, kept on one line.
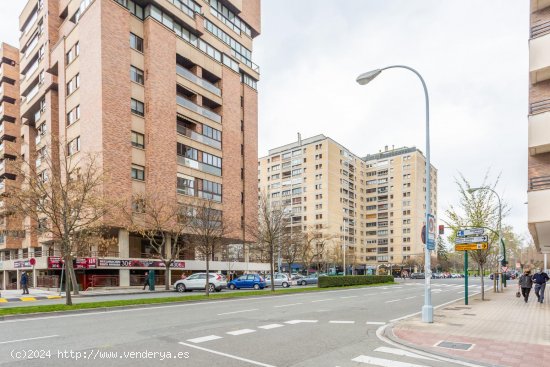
{"points": [[28, 299]]}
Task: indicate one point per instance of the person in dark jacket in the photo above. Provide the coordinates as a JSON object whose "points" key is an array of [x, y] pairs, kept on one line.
{"points": [[25, 282], [540, 278], [526, 283], [146, 281]]}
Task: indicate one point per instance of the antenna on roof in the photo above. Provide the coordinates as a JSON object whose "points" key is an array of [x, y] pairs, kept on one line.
{"points": [[299, 139]]}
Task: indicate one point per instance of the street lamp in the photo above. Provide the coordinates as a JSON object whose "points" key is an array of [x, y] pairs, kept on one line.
{"points": [[501, 250], [365, 78]]}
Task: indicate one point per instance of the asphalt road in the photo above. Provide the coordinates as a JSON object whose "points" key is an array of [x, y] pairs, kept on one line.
{"points": [[332, 328]]}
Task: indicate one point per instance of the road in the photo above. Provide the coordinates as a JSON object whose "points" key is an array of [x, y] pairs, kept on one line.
{"points": [[333, 328]]}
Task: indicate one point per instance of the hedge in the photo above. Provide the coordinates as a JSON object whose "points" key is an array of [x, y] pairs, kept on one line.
{"points": [[342, 281]]}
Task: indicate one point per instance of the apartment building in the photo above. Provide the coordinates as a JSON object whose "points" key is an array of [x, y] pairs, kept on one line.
{"points": [[165, 91], [538, 122], [373, 207]]}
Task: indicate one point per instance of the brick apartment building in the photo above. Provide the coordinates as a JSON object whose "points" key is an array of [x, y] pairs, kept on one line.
{"points": [[165, 92]]}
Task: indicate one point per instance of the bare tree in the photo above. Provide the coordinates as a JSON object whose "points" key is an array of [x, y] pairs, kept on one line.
{"points": [[269, 232], [207, 230], [315, 248], [292, 247], [63, 198], [160, 221], [477, 209]]}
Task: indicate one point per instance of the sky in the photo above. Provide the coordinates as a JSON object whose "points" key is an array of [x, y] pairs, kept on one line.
{"points": [[473, 55]]}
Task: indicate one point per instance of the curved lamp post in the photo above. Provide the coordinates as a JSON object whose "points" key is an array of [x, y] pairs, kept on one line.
{"points": [[365, 78]]}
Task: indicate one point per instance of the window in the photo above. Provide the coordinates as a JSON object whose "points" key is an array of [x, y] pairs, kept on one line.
{"points": [[42, 128], [138, 205], [212, 191], [211, 133], [73, 84], [137, 107], [73, 53], [73, 115], [73, 146], [185, 185], [138, 172], [138, 140], [211, 160], [136, 42], [136, 75]]}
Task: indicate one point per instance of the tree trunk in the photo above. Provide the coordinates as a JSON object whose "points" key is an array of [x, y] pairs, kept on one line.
{"points": [[482, 283], [207, 286], [272, 265], [68, 299], [167, 275], [73, 278]]}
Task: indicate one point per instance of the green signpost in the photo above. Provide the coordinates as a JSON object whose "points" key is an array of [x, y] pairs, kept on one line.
{"points": [[466, 277], [470, 239]]}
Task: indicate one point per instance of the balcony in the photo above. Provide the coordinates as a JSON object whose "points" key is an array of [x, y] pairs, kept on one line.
{"points": [[198, 137], [191, 163], [184, 102], [539, 132], [539, 54], [538, 213], [38, 162], [38, 139], [198, 81], [537, 5]]}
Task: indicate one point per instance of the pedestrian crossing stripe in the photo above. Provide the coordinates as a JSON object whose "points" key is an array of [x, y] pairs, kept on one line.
{"points": [[26, 299], [3, 300]]}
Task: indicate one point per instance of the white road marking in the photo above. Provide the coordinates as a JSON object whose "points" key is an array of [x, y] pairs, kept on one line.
{"points": [[288, 305], [293, 322], [231, 313], [393, 300], [323, 300], [384, 362], [376, 323], [341, 322], [270, 326], [348, 297], [204, 339], [241, 332], [410, 297], [401, 352], [461, 292], [227, 355], [23, 340]]}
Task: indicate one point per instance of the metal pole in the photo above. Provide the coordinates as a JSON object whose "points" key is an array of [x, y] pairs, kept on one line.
{"points": [[466, 277], [344, 247]]}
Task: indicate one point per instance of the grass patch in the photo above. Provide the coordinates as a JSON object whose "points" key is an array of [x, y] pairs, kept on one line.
{"points": [[178, 299]]}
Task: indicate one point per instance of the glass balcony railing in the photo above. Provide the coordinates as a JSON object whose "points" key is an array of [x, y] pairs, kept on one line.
{"points": [[37, 139], [191, 163], [198, 81], [184, 102], [186, 191], [38, 162], [198, 137]]}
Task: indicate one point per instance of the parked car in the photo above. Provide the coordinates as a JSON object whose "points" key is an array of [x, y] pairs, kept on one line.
{"points": [[417, 276], [195, 281], [247, 281], [310, 279], [507, 276], [281, 280]]}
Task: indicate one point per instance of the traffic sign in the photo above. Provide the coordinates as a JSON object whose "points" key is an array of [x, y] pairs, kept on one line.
{"points": [[470, 232], [474, 239], [471, 246], [430, 241]]}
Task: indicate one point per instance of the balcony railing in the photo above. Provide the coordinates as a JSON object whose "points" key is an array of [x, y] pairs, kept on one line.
{"points": [[539, 183], [540, 29], [37, 139], [2, 165], [184, 102], [539, 106], [191, 163], [199, 137], [199, 81], [38, 162]]}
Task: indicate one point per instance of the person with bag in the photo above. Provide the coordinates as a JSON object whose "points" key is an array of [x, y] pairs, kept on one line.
{"points": [[525, 283], [540, 278]]}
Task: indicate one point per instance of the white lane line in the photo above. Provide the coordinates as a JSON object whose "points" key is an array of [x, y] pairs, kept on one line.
{"points": [[288, 305], [384, 362], [241, 332], [393, 300], [270, 326], [293, 322], [234, 312], [401, 352], [323, 300], [341, 322], [203, 339], [23, 340], [461, 292], [410, 297], [348, 297], [228, 355], [376, 323]]}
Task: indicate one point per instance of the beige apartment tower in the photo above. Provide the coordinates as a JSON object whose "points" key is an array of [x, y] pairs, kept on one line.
{"points": [[164, 90], [539, 126], [372, 206]]}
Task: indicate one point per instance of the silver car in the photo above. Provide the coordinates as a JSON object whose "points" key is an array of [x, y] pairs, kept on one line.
{"points": [[281, 280], [198, 281]]}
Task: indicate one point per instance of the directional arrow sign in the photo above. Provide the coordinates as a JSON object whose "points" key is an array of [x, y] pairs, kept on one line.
{"points": [[470, 232], [471, 246], [475, 239]]}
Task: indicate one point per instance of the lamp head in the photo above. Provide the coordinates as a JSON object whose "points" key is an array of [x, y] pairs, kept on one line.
{"points": [[367, 77], [472, 190]]}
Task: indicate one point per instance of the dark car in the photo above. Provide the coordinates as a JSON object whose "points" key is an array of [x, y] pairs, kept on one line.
{"points": [[247, 281], [310, 279], [417, 276], [506, 274]]}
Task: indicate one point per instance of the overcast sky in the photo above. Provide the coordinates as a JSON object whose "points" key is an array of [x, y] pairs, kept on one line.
{"points": [[473, 55]]}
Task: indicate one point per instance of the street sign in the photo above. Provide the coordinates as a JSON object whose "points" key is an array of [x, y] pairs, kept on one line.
{"points": [[430, 242], [474, 239], [471, 246], [470, 232]]}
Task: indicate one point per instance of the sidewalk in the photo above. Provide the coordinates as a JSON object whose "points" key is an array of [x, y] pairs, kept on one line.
{"points": [[501, 331], [34, 295], [37, 294]]}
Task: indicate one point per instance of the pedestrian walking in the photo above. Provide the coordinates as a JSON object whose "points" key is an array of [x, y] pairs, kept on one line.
{"points": [[146, 281], [526, 283], [540, 278], [25, 282]]}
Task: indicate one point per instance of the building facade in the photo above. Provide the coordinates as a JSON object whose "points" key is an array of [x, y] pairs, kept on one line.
{"points": [[373, 207], [538, 122], [163, 90]]}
